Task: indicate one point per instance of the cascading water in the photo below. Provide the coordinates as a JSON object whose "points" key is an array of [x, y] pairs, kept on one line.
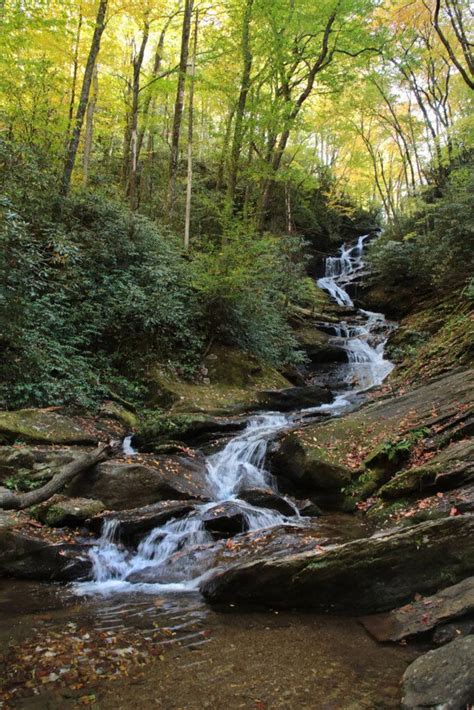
{"points": [[364, 339], [163, 553], [174, 557]]}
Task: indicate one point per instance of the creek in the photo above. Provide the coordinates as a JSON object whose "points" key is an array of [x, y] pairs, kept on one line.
{"points": [[260, 659], [167, 555]]}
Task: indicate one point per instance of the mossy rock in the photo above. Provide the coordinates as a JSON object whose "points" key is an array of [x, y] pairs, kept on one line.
{"points": [[61, 511], [164, 429], [42, 426], [230, 386], [113, 410], [450, 468]]}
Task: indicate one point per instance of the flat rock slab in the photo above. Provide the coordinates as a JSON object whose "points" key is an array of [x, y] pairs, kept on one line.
{"points": [[442, 679], [44, 426], [367, 575], [423, 615]]}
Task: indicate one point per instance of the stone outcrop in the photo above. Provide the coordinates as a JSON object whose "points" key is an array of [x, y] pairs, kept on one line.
{"points": [[442, 678], [367, 575], [426, 613]]}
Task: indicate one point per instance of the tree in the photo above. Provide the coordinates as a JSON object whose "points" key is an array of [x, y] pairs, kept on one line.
{"points": [[179, 104], [84, 98]]}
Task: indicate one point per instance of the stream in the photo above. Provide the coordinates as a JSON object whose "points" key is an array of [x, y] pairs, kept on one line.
{"points": [[241, 660], [165, 555]]}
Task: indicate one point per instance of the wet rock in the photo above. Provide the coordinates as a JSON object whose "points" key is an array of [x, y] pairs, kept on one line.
{"points": [[308, 509], [119, 484], [422, 615], [28, 557], [264, 498], [442, 678], [135, 523], [43, 426], [183, 428], [365, 576], [225, 519], [61, 511], [294, 398]]}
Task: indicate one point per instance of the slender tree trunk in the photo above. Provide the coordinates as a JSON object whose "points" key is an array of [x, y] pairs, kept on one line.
{"points": [[91, 106], [225, 148], [133, 152], [75, 69], [189, 185], [241, 105], [179, 105], [82, 106]]}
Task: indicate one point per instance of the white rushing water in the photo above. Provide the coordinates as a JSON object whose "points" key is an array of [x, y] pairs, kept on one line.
{"points": [[364, 339], [174, 556]]}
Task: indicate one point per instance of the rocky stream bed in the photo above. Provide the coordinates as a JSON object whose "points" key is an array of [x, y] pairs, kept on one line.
{"points": [[273, 544]]}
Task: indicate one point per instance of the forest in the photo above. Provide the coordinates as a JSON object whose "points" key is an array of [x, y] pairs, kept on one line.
{"points": [[236, 344]]}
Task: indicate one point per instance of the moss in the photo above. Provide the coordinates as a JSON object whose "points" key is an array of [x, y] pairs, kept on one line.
{"points": [[40, 425], [411, 481], [232, 380]]}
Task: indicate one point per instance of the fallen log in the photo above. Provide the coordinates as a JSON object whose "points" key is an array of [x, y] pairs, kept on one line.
{"points": [[18, 501]]}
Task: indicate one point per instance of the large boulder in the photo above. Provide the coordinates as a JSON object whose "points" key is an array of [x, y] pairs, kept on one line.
{"points": [[424, 614], [441, 679], [318, 347], [119, 485], [231, 380], [365, 576], [44, 426], [304, 469], [452, 467]]}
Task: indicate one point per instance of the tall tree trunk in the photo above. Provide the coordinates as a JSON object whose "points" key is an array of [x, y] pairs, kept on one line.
{"points": [[91, 106], [84, 98], [247, 59], [189, 185], [179, 105], [75, 69], [133, 152]]}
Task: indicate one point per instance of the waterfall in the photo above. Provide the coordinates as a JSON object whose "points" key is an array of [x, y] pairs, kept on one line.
{"points": [[363, 340], [174, 557]]}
